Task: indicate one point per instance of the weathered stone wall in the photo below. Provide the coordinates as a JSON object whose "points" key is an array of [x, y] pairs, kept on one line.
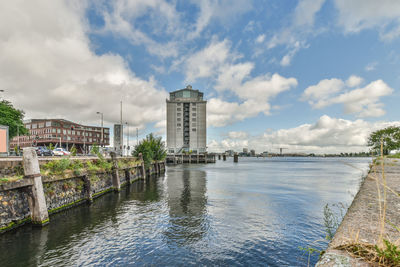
{"points": [[60, 192], [63, 192], [14, 207]]}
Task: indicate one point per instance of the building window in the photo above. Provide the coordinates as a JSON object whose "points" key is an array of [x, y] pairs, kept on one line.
{"points": [[179, 125], [178, 119], [193, 124], [41, 125], [193, 104], [34, 126], [193, 129], [48, 123], [178, 109], [73, 132], [69, 131], [59, 131], [178, 114], [64, 131], [178, 104], [194, 114], [193, 119], [193, 109]]}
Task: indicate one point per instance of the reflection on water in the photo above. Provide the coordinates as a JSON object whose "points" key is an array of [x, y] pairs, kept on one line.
{"points": [[187, 201], [257, 212]]}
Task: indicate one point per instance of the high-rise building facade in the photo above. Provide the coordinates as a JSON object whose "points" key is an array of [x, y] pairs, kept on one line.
{"points": [[186, 121]]}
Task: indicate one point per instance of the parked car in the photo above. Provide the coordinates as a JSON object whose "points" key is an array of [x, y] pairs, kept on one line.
{"points": [[43, 151], [61, 152]]}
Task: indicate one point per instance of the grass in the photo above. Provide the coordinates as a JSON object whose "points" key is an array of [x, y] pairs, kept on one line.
{"points": [[384, 252], [8, 179]]}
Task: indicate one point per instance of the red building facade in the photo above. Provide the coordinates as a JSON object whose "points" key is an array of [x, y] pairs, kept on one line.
{"points": [[62, 133]]}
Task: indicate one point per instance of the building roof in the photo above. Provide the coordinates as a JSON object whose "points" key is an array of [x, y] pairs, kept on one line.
{"points": [[186, 93]]}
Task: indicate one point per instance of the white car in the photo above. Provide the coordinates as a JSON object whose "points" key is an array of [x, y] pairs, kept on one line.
{"points": [[61, 152]]}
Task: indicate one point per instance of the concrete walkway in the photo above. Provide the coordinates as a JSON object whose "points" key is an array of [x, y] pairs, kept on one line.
{"points": [[361, 223]]}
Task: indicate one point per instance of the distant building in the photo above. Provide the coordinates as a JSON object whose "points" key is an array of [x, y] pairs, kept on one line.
{"points": [[59, 132], [265, 154], [230, 153], [252, 153], [118, 139], [186, 121], [245, 150]]}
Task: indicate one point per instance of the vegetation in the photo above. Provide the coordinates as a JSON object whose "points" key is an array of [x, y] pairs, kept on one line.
{"points": [[73, 150], [390, 138], [13, 118], [10, 179], [152, 149]]}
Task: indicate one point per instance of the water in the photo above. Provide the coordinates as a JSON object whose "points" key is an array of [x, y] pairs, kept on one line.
{"points": [[254, 213]]}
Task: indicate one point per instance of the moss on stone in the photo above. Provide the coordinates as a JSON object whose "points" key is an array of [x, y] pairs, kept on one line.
{"points": [[14, 224], [58, 209]]}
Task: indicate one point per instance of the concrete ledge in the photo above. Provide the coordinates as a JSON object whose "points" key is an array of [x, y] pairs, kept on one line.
{"points": [[361, 223]]}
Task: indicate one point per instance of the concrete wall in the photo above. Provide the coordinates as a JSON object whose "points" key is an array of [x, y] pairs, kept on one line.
{"points": [[61, 192]]}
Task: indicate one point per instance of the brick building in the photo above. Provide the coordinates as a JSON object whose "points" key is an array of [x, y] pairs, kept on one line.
{"points": [[59, 132]]}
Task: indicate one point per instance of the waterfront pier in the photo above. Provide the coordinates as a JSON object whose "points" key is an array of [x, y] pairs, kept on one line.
{"points": [[190, 158]]}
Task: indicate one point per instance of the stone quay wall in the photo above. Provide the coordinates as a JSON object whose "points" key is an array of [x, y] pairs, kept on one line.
{"points": [[63, 191], [361, 224]]}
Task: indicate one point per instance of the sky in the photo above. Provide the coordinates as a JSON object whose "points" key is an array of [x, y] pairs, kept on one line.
{"points": [[311, 76]]}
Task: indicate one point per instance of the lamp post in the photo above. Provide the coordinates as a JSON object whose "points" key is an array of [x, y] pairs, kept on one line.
{"points": [[102, 130], [127, 140]]}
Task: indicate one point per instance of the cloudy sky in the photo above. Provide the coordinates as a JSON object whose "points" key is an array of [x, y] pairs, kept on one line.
{"points": [[308, 75]]}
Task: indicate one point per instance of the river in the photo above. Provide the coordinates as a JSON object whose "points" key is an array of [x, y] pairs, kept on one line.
{"points": [[257, 212]]}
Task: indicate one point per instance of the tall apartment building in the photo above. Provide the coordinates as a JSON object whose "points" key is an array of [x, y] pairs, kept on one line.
{"points": [[186, 121], [59, 132]]}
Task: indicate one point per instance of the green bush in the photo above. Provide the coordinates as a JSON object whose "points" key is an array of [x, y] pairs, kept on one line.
{"points": [[152, 149]]}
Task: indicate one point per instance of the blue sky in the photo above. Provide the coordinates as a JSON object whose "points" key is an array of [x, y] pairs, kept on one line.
{"points": [[309, 75]]}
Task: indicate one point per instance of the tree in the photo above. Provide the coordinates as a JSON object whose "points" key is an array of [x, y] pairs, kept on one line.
{"points": [[390, 137], [12, 118], [152, 148]]}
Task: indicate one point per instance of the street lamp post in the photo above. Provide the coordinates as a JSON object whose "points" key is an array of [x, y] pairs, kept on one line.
{"points": [[102, 129], [127, 140]]}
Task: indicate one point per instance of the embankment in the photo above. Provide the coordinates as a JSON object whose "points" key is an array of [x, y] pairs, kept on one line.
{"points": [[361, 226], [64, 189]]}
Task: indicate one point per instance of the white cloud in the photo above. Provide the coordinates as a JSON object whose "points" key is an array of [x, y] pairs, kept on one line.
{"points": [[371, 66], [317, 95], [163, 19], [294, 36], [358, 15], [221, 10], [354, 81], [260, 38], [327, 135], [364, 102], [217, 63], [49, 70], [238, 135]]}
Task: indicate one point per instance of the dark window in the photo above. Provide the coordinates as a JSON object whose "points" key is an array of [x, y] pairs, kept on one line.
{"points": [[179, 125], [178, 119], [193, 129], [178, 109], [194, 114]]}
